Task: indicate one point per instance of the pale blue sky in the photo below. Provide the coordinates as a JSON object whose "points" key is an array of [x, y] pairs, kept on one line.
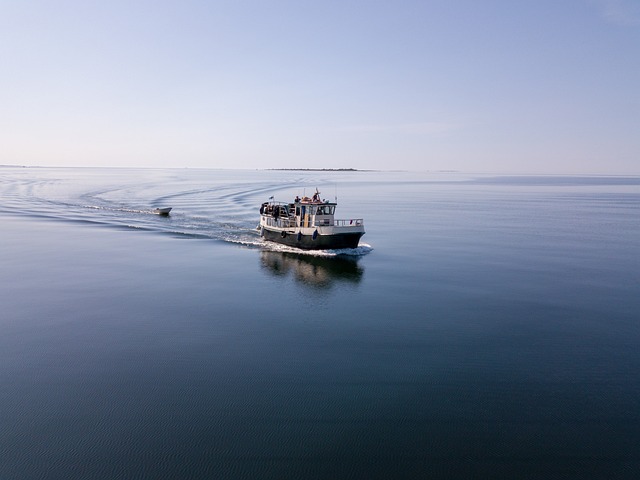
{"points": [[539, 86]]}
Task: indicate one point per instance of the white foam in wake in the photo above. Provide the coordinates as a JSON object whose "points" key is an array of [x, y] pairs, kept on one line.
{"points": [[359, 251]]}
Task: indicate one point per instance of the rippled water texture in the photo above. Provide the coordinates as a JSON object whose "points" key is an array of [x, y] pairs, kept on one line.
{"points": [[486, 327]]}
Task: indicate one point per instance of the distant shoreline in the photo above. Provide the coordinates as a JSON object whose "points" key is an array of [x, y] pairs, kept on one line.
{"points": [[320, 170]]}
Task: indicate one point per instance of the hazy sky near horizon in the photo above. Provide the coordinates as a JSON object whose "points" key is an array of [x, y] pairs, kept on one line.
{"points": [[541, 86]]}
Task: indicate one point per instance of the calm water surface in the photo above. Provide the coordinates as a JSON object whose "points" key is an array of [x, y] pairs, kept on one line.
{"points": [[486, 327]]}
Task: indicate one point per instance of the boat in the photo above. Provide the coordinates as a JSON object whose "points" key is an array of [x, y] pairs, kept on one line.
{"points": [[162, 211], [308, 223]]}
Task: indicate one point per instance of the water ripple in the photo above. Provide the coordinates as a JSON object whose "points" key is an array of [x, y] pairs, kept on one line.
{"points": [[220, 205]]}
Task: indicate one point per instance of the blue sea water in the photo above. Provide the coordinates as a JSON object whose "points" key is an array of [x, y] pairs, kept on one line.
{"points": [[486, 327]]}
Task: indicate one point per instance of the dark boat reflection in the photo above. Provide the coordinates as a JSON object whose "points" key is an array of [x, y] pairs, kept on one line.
{"points": [[319, 272]]}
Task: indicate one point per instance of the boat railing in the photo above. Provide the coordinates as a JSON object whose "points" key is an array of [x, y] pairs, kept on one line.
{"points": [[349, 223], [325, 222], [280, 222], [290, 222]]}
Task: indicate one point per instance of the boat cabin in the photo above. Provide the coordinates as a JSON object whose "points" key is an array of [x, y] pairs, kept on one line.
{"points": [[301, 213]]}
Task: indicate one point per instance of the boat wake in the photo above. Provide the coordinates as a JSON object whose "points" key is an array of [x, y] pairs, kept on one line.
{"points": [[123, 210], [216, 205], [360, 251]]}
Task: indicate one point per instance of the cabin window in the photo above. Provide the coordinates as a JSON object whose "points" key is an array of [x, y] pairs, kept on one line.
{"points": [[325, 210]]}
